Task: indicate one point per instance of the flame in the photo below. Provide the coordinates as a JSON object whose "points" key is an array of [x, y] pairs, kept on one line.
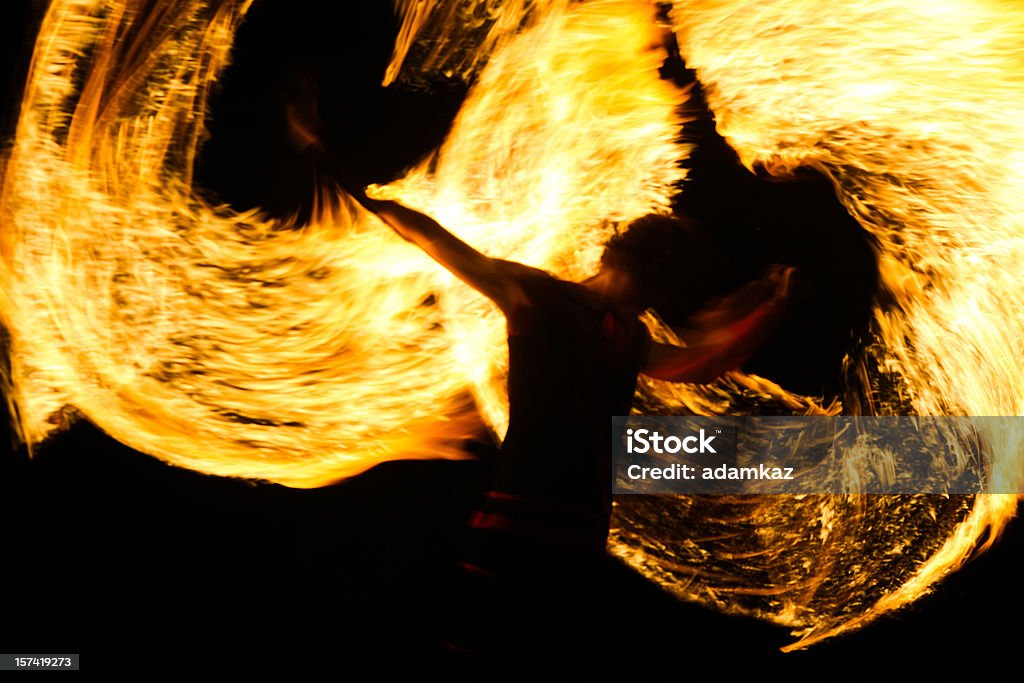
{"points": [[915, 112], [235, 345], [215, 340]]}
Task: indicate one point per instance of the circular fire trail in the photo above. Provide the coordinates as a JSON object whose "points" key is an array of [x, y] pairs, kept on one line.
{"points": [[225, 342]]}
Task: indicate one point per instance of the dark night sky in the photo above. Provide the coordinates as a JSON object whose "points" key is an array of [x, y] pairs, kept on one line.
{"points": [[111, 553]]}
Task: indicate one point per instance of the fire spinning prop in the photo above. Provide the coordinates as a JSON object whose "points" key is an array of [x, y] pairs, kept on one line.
{"points": [[226, 342]]}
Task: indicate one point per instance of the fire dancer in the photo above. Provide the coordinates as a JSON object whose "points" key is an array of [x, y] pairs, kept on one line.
{"points": [[575, 351]]}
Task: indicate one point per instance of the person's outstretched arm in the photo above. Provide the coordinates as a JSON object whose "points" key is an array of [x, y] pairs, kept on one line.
{"points": [[491, 277], [730, 344]]}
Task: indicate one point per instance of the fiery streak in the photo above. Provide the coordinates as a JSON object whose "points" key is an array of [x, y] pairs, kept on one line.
{"points": [[455, 39], [298, 354], [915, 111], [217, 341], [234, 345]]}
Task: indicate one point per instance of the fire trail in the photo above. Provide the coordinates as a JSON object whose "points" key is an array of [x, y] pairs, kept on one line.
{"points": [[224, 341]]}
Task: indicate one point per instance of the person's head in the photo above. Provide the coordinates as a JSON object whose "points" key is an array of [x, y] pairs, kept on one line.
{"points": [[671, 264]]}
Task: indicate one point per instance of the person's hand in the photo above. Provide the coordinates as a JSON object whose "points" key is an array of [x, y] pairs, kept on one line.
{"points": [[772, 288], [735, 327], [746, 332]]}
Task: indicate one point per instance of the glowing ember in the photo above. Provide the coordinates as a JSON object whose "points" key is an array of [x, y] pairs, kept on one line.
{"points": [[237, 346]]}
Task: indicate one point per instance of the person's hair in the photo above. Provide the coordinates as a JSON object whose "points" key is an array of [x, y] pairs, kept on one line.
{"points": [[674, 263]]}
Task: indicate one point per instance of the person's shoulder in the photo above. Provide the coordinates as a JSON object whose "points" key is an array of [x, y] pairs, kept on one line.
{"points": [[531, 295], [530, 286], [525, 272]]}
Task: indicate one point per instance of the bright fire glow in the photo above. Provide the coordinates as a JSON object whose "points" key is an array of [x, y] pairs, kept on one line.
{"points": [[237, 346]]}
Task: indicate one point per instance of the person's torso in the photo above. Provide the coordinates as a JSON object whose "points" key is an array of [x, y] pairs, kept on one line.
{"points": [[573, 364]]}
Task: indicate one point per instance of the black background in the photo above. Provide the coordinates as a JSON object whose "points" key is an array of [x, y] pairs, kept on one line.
{"points": [[112, 554]]}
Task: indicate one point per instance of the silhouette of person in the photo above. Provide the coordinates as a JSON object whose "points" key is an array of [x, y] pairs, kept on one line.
{"points": [[536, 545]]}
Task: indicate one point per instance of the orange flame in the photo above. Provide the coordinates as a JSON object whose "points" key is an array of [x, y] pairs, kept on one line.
{"points": [[915, 112], [226, 343], [234, 345]]}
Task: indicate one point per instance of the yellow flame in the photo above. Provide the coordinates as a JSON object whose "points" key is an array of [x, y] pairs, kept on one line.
{"points": [[567, 132], [455, 39], [214, 340], [234, 345], [915, 111]]}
